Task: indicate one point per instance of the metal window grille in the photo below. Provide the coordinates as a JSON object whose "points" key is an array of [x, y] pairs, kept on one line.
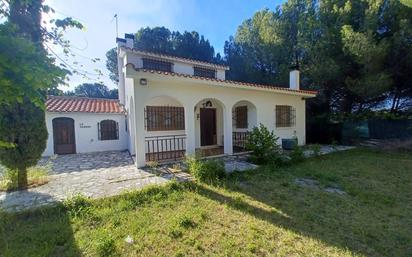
{"points": [[161, 118], [241, 117], [152, 64], [203, 72], [285, 116], [108, 130]]}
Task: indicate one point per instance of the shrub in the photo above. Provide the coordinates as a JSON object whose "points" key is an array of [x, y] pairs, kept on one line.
{"points": [[297, 154], [316, 149], [78, 205], [24, 125], [208, 171], [263, 144]]}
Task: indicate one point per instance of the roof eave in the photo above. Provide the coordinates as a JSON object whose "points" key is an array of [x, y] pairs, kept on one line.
{"points": [[130, 70]]}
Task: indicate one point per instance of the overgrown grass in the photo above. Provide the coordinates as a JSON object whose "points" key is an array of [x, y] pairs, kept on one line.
{"points": [[36, 176], [260, 213]]}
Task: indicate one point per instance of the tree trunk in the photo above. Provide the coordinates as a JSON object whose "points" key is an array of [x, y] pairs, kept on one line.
{"points": [[22, 178]]}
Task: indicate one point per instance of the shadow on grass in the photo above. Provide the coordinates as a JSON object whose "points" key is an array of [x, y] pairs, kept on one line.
{"points": [[364, 224], [46, 231]]}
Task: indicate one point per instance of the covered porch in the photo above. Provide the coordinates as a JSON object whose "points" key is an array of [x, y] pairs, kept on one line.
{"points": [[218, 129]]}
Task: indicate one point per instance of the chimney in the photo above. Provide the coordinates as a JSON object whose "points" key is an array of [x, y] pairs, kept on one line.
{"points": [[120, 42], [129, 40], [294, 79]]}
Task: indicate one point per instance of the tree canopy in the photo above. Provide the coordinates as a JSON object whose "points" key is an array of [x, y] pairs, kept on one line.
{"points": [[94, 90], [356, 53]]}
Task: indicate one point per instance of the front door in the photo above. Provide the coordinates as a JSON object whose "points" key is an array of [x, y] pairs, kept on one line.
{"points": [[207, 126], [63, 136]]}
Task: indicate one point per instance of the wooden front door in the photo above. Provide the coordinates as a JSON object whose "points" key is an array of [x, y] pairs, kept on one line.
{"points": [[63, 136], [207, 126]]}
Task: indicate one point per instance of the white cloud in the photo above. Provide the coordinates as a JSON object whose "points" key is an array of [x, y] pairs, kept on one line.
{"points": [[99, 36]]}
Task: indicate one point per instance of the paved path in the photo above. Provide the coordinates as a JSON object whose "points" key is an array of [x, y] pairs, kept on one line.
{"points": [[94, 175]]}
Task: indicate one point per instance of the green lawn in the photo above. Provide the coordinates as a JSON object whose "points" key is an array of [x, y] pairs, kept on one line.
{"points": [[260, 213]]}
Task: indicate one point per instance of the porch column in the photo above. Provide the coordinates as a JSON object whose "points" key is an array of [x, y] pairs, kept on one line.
{"points": [[190, 128], [228, 130], [139, 132]]}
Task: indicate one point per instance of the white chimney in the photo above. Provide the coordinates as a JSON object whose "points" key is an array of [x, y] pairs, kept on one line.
{"points": [[129, 40], [294, 79], [120, 42]]}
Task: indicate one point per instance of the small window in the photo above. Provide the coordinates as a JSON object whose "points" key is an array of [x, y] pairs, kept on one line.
{"points": [[203, 72], [241, 117], [159, 65], [108, 130], [285, 116], [161, 118]]}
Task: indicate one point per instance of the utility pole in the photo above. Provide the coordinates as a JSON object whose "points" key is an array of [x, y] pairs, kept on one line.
{"points": [[117, 28]]}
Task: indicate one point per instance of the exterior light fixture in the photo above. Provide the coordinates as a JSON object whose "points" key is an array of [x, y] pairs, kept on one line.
{"points": [[143, 82]]}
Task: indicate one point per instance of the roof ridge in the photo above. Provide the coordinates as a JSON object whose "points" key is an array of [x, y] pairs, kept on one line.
{"points": [[71, 104], [82, 97]]}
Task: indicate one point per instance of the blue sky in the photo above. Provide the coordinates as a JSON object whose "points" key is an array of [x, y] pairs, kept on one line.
{"points": [[216, 20]]}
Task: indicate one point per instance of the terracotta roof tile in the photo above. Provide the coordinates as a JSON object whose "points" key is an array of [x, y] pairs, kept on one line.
{"points": [[310, 92], [83, 104]]}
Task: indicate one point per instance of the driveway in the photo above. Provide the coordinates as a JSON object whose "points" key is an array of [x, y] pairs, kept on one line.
{"points": [[94, 175]]}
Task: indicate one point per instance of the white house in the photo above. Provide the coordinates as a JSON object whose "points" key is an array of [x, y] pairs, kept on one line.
{"points": [[171, 106]]}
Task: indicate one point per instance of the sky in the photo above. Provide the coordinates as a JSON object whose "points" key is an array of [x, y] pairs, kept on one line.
{"points": [[216, 20]]}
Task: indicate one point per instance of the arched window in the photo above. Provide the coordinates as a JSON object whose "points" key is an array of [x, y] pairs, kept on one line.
{"points": [[108, 130], [241, 117]]}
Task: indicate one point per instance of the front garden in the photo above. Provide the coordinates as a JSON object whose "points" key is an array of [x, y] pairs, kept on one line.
{"points": [[263, 212]]}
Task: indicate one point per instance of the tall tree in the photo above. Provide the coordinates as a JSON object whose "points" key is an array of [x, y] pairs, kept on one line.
{"points": [[27, 72], [347, 49], [162, 40]]}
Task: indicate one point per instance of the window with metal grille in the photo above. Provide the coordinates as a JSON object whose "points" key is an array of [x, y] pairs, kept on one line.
{"points": [[152, 64], [161, 118], [285, 116], [241, 116], [108, 130], [203, 72]]}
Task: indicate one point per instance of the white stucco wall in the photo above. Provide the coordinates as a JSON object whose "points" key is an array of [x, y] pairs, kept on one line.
{"points": [[178, 66], [86, 132], [189, 92]]}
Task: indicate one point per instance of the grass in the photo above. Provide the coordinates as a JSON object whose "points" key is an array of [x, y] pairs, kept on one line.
{"points": [[260, 213], [36, 176]]}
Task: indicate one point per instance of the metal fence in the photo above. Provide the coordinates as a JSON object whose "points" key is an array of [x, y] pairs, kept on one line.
{"points": [[165, 148], [239, 141]]}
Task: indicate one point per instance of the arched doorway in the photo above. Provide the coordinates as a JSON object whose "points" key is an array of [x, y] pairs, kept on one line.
{"points": [[209, 127], [63, 136]]}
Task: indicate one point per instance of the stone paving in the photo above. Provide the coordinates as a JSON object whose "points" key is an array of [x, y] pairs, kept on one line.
{"points": [[94, 175], [105, 174]]}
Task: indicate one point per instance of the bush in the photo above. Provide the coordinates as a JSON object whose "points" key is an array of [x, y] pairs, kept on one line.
{"points": [[208, 171], [316, 149], [297, 154], [78, 206], [263, 144]]}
